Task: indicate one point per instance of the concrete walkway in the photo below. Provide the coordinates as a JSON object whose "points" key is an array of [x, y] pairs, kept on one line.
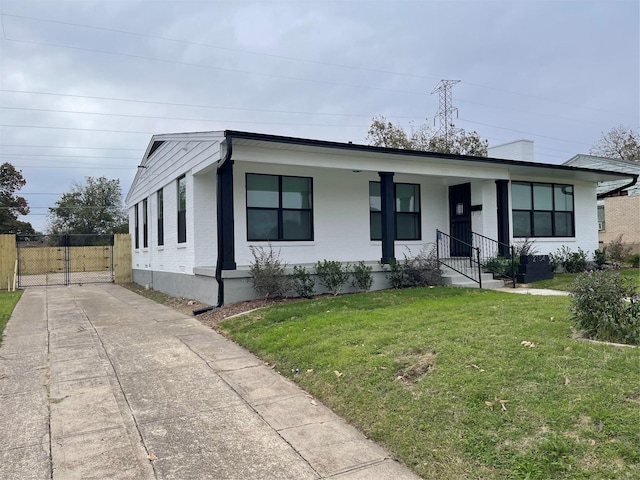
{"points": [[98, 382], [533, 291]]}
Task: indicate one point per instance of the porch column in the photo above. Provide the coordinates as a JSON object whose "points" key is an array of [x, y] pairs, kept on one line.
{"points": [[502, 196], [226, 237], [387, 212]]}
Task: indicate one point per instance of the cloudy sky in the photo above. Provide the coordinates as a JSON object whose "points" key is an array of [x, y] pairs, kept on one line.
{"points": [[84, 84]]}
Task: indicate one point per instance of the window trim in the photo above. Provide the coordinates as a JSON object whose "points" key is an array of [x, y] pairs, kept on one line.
{"points": [[160, 214], [553, 210], [417, 214], [280, 209], [181, 214], [136, 225], [145, 223]]}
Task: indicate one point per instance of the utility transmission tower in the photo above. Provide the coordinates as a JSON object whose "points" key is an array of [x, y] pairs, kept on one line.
{"points": [[445, 108]]}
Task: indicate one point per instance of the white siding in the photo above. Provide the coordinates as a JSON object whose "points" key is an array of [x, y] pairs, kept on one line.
{"points": [[170, 161]]}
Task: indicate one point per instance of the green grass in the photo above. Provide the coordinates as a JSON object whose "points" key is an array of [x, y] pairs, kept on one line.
{"points": [[8, 301], [564, 281], [422, 371]]}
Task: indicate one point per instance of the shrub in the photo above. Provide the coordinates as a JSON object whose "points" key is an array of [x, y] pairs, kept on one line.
{"points": [[576, 262], [499, 266], [361, 278], [634, 260], [419, 271], [617, 250], [302, 282], [572, 262], [605, 307], [600, 258], [332, 275], [527, 247], [268, 273]]}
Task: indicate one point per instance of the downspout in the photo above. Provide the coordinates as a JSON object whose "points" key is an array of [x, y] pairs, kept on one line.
{"points": [[619, 189], [218, 274]]}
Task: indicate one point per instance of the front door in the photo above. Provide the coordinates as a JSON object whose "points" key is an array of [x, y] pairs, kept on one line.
{"points": [[460, 219]]}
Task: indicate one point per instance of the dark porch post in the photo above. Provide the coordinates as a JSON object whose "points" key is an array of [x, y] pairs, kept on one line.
{"points": [[387, 211], [226, 237], [502, 195]]}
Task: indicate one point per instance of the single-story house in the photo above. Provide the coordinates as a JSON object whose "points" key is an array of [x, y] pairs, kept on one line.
{"points": [[199, 201], [618, 201]]}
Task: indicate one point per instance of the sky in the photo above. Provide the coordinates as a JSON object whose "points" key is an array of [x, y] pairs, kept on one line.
{"points": [[85, 84]]}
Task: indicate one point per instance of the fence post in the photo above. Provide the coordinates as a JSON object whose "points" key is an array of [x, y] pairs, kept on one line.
{"points": [[122, 258], [8, 258]]}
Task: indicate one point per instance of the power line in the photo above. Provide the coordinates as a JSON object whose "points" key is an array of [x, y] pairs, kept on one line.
{"points": [[64, 156], [218, 47], [199, 105], [69, 146], [211, 67], [168, 118], [296, 59]]}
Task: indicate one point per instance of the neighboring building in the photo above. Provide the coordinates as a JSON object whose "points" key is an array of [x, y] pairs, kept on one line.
{"points": [[200, 200], [618, 201]]}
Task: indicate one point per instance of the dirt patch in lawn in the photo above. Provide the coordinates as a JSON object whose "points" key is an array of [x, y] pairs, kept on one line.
{"points": [[415, 364]]}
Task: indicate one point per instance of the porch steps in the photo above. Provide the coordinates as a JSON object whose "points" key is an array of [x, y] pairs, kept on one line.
{"points": [[455, 279]]}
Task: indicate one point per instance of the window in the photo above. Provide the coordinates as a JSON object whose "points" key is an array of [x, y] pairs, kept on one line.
{"points": [[601, 224], [542, 210], [279, 207], [406, 207], [160, 206], [182, 209], [145, 225], [136, 233]]}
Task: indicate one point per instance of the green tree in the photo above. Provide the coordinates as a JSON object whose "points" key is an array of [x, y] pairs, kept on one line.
{"points": [[619, 142], [383, 133], [11, 205], [93, 208]]}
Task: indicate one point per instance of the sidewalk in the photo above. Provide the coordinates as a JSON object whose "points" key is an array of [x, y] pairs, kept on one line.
{"points": [[98, 382]]}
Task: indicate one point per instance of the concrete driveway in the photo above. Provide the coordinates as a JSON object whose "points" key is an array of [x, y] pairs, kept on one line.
{"points": [[98, 382]]}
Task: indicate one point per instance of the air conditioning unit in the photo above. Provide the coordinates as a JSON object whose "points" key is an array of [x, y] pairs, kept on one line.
{"points": [[600, 226]]}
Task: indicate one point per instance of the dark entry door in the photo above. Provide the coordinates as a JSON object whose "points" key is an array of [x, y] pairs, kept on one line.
{"points": [[460, 219]]}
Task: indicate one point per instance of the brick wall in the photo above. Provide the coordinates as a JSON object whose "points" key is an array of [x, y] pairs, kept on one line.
{"points": [[622, 216]]}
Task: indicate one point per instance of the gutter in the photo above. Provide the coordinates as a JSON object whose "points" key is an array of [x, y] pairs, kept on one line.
{"points": [[619, 189], [218, 274]]}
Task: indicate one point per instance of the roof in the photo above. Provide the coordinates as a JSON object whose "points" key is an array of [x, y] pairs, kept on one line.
{"points": [[610, 164], [516, 168]]}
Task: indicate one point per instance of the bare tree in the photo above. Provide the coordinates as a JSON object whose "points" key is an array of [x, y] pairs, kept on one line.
{"points": [[619, 142]]}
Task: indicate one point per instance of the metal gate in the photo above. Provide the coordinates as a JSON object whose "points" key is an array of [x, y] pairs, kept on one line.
{"points": [[64, 259]]}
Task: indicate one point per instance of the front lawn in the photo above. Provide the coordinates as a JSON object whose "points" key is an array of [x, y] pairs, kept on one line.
{"points": [[8, 301], [564, 281], [461, 383]]}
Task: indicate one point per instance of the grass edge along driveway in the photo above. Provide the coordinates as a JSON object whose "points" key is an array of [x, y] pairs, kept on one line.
{"points": [[8, 301], [461, 383]]}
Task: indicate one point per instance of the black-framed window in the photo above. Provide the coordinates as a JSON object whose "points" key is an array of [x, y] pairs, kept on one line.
{"points": [[406, 207], [279, 207], [542, 209], [136, 223], [182, 209], [145, 224], [160, 207]]}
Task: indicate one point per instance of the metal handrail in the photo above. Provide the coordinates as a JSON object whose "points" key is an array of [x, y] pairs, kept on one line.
{"points": [[447, 260], [491, 248]]}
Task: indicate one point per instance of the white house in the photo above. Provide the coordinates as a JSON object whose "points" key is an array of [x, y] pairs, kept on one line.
{"points": [[200, 200]]}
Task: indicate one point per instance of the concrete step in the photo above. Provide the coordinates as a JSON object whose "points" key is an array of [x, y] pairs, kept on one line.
{"points": [[455, 279]]}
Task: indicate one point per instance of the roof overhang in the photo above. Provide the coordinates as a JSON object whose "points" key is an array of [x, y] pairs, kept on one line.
{"points": [[516, 168]]}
